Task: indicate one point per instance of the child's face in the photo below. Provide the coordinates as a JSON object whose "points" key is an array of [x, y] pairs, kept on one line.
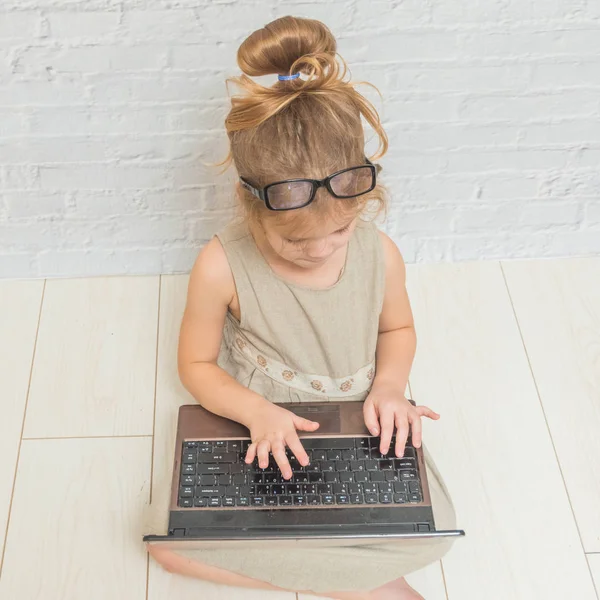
{"points": [[313, 244]]}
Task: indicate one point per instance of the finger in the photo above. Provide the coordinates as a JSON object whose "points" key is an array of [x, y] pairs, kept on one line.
{"points": [[251, 453], [401, 434], [304, 424], [370, 416], [425, 411], [295, 445], [281, 459], [262, 452], [416, 429], [386, 421]]}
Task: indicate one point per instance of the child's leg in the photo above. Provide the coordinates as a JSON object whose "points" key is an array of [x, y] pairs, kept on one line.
{"points": [[175, 563]]}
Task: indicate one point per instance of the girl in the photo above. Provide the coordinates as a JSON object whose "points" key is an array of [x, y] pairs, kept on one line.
{"points": [[304, 300]]}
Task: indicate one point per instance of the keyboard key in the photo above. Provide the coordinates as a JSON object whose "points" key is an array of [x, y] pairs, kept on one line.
{"points": [[186, 492], [386, 464], [190, 444], [186, 502], [292, 488], [414, 487], [214, 501], [342, 465], [385, 487], [362, 442], [188, 480], [342, 499], [415, 497], [224, 479], [228, 501], [376, 476], [409, 452], [202, 501], [385, 498], [374, 442], [361, 477], [315, 477], [370, 488], [256, 478], [391, 475], [328, 443], [242, 501], [357, 498], [362, 453], [215, 490], [328, 465], [371, 499], [313, 499], [355, 488], [300, 500], [349, 454], [400, 498], [400, 486], [214, 468], [309, 488], [236, 468], [285, 500], [218, 457], [346, 477], [263, 490], [328, 499], [205, 449], [357, 465], [340, 488], [220, 444], [324, 488], [239, 479], [319, 455], [257, 501], [371, 465], [313, 467], [234, 445], [407, 474], [188, 470], [277, 490], [334, 454], [207, 480], [189, 457], [405, 463], [271, 501], [331, 477], [300, 477]]}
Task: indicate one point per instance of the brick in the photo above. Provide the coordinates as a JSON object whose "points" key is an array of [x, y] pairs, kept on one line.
{"points": [[17, 177], [43, 93], [523, 108], [417, 222], [215, 55], [565, 73], [570, 130], [84, 59], [53, 150], [101, 176], [455, 12], [574, 183], [378, 14], [17, 266], [513, 159], [82, 25], [19, 25], [81, 262], [159, 25], [12, 122], [33, 205], [592, 213]]}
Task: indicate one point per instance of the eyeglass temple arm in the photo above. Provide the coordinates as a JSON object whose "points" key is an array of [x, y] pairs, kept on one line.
{"points": [[256, 192]]}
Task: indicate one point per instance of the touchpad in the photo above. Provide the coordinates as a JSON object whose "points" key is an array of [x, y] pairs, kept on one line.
{"points": [[328, 415]]}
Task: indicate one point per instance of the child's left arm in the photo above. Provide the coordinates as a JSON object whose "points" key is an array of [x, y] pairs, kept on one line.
{"points": [[386, 406]]}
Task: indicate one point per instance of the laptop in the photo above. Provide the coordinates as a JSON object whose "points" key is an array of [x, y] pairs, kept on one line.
{"points": [[349, 493]]}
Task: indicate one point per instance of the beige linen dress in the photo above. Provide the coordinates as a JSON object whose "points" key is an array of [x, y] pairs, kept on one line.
{"points": [[297, 344]]}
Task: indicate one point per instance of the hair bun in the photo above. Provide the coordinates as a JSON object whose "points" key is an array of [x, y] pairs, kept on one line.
{"points": [[279, 44]]}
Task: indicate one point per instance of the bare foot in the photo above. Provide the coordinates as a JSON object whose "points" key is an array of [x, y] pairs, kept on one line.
{"points": [[396, 590]]}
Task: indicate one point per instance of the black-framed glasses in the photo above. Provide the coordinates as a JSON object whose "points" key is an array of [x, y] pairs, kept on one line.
{"points": [[297, 193]]}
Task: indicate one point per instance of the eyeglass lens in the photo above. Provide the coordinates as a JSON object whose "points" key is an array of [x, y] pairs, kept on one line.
{"points": [[293, 194]]}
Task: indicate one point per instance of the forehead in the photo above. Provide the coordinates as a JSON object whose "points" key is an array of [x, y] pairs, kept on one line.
{"points": [[312, 227]]}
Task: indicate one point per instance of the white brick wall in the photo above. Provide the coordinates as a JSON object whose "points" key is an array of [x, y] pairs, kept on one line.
{"points": [[112, 110]]}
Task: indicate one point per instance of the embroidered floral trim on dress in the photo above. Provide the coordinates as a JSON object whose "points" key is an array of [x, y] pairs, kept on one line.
{"points": [[356, 383]]}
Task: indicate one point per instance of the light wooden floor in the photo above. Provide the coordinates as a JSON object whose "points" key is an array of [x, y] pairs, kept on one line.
{"points": [[509, 354]]}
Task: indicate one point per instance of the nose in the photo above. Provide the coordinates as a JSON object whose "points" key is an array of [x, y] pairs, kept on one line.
{"points": [[318, 251]]}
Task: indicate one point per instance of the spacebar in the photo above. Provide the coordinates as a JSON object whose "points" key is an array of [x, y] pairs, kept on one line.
{"points": [[327, 443]]}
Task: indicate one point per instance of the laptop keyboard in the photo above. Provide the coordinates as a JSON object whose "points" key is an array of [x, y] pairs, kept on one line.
{"points": [[342, 472]]}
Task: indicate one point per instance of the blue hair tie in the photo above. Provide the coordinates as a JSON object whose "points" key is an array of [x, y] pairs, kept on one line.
{"points": [[288, 77]]}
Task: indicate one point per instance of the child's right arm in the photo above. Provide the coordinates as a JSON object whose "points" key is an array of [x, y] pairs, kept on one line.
{"points": [[211, 290]]}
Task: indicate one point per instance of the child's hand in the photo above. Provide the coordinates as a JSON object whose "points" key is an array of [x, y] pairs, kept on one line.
{"points": [[386, 405], [271, 429]]}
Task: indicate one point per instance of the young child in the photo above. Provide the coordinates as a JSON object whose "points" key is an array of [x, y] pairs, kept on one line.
{"points": [[304, 300]]}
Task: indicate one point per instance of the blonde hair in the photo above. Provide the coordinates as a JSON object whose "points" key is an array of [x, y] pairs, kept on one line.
{"points": [[301, 127]]}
